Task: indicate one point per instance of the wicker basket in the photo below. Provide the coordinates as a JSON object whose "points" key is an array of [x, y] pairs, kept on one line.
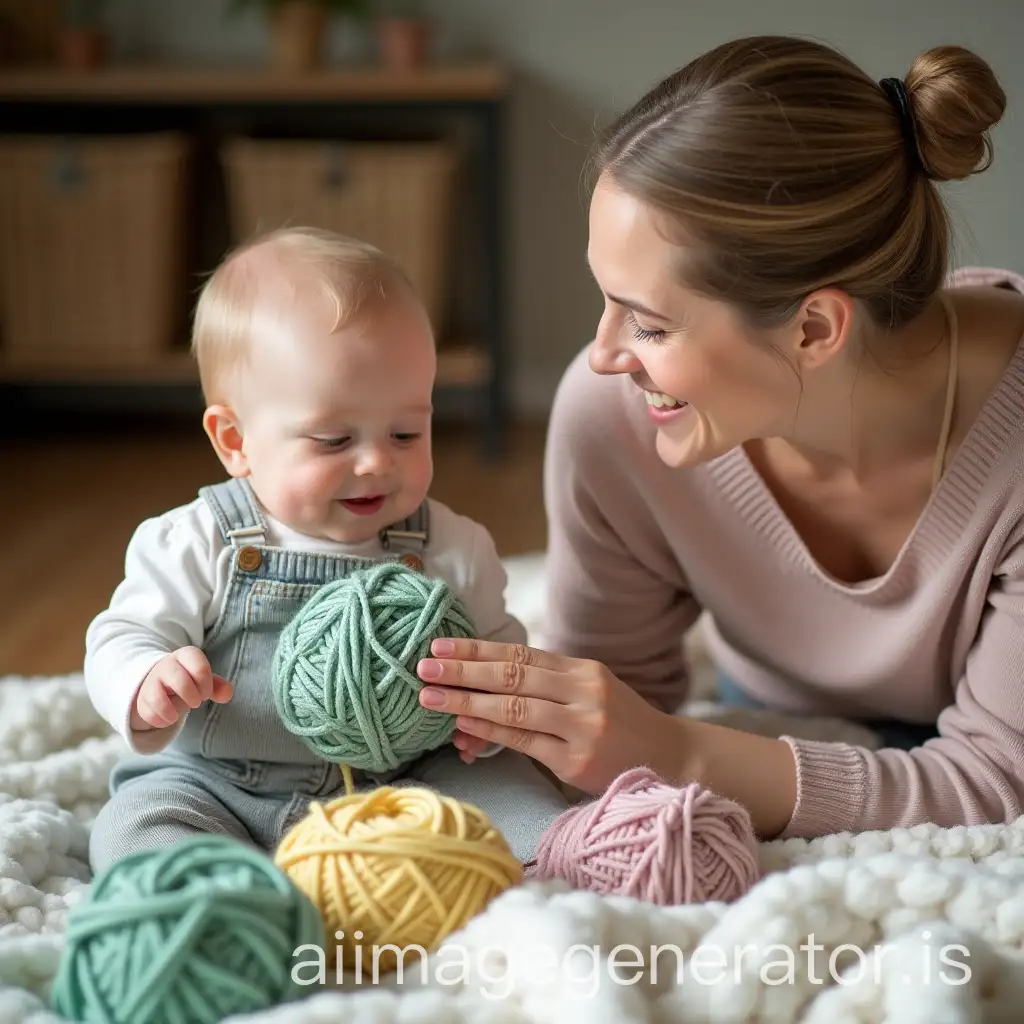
{"points": [[91, 249], [35, 27], [395, 195]]}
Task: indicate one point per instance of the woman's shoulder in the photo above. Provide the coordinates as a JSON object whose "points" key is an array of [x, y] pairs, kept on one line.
{"points": [[989, 305], [986, 277]]}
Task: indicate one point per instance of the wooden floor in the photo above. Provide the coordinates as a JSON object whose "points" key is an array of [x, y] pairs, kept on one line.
{"points": [[70, 499]]}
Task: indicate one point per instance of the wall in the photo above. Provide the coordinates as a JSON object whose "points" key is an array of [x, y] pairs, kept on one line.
{"points": [[577, 62]]}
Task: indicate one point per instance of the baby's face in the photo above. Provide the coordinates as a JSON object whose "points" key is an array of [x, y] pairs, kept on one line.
{"points": [[336, 427]]}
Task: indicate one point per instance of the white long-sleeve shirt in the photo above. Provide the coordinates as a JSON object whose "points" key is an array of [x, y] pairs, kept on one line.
{"points": [[177, 567]]}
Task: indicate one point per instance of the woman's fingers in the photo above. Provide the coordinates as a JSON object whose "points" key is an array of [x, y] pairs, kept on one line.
{"points": [[549, 750], [512, 710], [469, 747], [519, 670], [498, 677], [471, 744], [493, 651]]}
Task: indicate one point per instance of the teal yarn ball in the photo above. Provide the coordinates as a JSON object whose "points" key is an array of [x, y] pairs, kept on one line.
{"points": [[186, 934], [345, 667]]}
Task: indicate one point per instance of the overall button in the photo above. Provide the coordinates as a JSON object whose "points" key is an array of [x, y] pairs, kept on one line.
{"points": [[249, 559], [413, 562]]}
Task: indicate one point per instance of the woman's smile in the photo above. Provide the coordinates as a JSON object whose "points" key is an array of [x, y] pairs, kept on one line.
{"points": [[663, 408]]}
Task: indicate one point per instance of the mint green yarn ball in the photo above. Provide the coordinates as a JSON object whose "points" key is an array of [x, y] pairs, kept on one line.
{"points": [[186, 934], [345, 667]]}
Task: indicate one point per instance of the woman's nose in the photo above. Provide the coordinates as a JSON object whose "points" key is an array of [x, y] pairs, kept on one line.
{"points": [[608, 354]]}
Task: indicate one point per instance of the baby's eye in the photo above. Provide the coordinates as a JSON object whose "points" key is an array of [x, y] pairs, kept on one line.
{"points": [[331, 442], [403, 438]]}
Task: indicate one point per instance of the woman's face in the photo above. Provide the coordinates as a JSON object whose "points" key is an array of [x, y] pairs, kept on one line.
{"points": [[709, 381]]}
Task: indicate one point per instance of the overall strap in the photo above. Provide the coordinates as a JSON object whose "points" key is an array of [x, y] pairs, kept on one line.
{"points": [[237, 513], [411, 534]]}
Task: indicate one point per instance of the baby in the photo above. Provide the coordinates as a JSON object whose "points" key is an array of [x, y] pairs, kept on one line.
{"points": [[317, 362]]}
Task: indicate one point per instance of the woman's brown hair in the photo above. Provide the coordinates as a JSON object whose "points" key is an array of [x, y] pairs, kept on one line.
{"points": [[785, 168]]}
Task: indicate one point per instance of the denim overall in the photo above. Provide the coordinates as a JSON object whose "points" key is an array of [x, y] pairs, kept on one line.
{"points": [[234, 769]]}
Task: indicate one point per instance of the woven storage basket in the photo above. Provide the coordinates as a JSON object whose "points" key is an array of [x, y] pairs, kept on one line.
{"points": [[91, 249], [395, 195]]}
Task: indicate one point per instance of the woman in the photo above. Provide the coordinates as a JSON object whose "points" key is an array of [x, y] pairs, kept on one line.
{"points": [[789, 419]]}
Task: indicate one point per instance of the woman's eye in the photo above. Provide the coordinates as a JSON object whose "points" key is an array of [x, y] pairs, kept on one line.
{"points": [[641, 333], [330, 442]]}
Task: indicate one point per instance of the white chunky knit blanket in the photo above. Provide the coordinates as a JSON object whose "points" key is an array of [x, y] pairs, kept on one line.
{"points": [[925, 925]]}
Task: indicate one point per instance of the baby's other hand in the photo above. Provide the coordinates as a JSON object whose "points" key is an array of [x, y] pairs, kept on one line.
{"points": [[177, 682]]}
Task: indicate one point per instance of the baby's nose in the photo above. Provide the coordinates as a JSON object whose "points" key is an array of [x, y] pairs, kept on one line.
{"points": [[373, 459]]}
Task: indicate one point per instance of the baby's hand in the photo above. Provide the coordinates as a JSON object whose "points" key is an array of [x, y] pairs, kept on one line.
{"points": [[181, 680]]}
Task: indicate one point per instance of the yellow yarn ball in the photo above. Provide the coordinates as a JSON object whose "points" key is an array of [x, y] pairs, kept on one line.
{"points": [[402, 865]]}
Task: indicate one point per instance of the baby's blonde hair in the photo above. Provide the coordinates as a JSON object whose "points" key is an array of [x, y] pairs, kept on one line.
{"points": [[346, 270]]}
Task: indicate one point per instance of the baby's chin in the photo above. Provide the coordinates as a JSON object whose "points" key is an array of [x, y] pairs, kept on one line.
{"points": [[351, 533], [333, 525]]}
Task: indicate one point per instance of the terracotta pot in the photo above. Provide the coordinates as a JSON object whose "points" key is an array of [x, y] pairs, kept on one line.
{"points": [[298, 28], [403, 42], [83, 49]]}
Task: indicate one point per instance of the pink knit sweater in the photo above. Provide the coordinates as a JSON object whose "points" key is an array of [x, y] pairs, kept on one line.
{"points": [[637, 550]]}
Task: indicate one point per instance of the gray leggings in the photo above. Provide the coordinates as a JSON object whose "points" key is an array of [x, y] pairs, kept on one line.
{"points": [[159, 799]]}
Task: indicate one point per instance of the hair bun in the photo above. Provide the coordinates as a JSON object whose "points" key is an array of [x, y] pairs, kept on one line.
{"points": [[956, 99]]}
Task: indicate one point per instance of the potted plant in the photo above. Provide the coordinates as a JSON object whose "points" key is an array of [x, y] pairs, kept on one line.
{"points": [[403, 35], [298, 27], [83, 35]]}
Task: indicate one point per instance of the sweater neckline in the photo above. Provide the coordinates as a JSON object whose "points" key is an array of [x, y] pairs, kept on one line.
{"points": [[942, 521]]}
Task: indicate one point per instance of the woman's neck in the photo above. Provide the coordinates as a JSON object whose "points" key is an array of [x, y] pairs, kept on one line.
{"points": [[880, 408]]}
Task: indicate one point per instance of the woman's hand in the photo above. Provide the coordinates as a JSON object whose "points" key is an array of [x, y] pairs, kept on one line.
{"points": [[572, 715]]}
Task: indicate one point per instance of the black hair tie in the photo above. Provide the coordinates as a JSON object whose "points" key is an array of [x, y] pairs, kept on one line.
{"points": [[897, 94]]}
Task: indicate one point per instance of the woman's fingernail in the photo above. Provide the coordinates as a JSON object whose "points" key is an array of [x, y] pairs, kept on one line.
{"points": [[442, 647], [431, 696], [429, 669]]}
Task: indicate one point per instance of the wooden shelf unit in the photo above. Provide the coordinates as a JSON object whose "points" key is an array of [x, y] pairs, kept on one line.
{"points": [[212, 104], [464, 365], [155, 84]]}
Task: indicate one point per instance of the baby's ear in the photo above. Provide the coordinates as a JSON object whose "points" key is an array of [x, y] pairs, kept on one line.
{"points": [[224, 430]]}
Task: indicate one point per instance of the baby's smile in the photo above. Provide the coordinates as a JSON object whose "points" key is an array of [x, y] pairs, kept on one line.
{"points": [[364, 506]]}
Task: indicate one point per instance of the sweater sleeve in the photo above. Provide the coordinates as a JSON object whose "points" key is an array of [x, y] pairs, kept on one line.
{"points": [[971, 773], [162, 604], [615, 591]]}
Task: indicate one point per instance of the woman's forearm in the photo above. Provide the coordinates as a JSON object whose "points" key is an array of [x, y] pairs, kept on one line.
{"points": [[756, 771]]}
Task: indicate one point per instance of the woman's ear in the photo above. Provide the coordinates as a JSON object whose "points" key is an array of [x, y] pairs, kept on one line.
{"points": [[822, 327], [224, 430]]}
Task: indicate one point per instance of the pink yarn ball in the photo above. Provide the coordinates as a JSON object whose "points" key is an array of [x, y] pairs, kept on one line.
{"points": [[656, 842]]}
